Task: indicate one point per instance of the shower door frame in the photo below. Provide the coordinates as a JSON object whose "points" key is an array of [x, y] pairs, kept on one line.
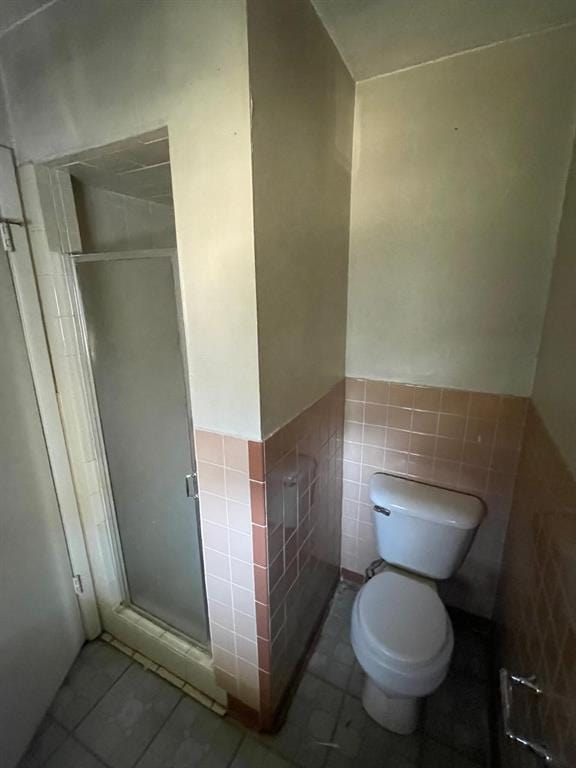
{"points": [[56, 245], [121, 577]]}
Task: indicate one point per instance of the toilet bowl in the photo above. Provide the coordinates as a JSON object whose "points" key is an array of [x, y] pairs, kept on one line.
{"points": [[402, 638], [401, 632]]}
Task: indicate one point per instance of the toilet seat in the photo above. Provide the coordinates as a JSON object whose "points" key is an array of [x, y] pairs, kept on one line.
{"points": [[403, 619], [401, 634]]}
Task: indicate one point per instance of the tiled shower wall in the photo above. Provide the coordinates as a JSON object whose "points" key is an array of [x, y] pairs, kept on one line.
{"points": [[537, 605], [271, 523], [468, 441]]}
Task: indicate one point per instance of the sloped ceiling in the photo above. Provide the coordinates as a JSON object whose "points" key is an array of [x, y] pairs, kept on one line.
{"points": [[379, 36], [375, 37]]}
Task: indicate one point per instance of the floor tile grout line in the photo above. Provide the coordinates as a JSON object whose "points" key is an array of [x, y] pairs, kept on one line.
{"points": [[79, 723], [458, 749], [93, 707], [334, 729], [47, 716], [88, 749], [49, 757], [157, 733], [71, 733], [70, 736], [237, 750], [344, 692], [77, 738]]}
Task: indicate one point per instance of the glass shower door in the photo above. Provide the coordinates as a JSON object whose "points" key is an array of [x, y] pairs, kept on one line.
{"points": [[132, 328]]}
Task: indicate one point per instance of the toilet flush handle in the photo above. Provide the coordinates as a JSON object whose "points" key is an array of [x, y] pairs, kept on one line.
{"points": [[382, 510]]}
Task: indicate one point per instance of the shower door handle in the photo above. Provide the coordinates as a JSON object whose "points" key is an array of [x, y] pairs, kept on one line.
{"points": [[192, 485]]}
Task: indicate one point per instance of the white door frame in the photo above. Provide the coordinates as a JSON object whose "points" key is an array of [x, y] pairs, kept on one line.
{"points": [[47, 396]]}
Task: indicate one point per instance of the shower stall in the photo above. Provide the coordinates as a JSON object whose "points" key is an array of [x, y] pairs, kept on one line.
{"points": [[108, 277], [130, 329]]}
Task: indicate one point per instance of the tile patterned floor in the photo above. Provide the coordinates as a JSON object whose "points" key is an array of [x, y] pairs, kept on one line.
{"points": [[112, 713]]}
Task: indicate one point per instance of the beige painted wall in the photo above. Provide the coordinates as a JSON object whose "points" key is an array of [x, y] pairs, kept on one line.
{"points": [[110, 221], [41, 626], [303, 101], [82, 74], [555, 383], [457, 187], [42, 630], [5, 135]]}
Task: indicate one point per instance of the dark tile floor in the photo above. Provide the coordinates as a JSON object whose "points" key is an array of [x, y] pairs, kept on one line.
{"points": [[112, 713]]}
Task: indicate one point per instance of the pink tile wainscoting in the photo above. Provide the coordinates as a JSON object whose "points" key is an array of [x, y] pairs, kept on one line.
{"points": [[297, 552], [226, 523], [271, 514], [537, 597], [271, 526]]}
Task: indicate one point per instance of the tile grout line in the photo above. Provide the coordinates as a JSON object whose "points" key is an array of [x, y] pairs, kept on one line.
{"points": [[237, 750], [88, 749], [153, 739], [336, 719], [455, 749], [49, 717], [132, 663], [155, 669], [82, 719]]}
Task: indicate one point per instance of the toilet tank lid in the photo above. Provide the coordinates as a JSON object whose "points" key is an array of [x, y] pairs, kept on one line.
{"points": [[428, 502]]}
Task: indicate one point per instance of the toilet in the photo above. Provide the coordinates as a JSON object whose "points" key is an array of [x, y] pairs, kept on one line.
{"points": [[401, 632]]}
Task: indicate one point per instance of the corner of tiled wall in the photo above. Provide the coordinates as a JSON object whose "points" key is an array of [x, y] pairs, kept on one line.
{"points": [[271, 516], [301, 542], [226, 522]]}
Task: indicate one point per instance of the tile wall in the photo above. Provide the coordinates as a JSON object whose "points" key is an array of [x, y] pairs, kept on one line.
{"points": [[297, 553], [226, 522], [271, 522], [468, 441], [537, 598]]}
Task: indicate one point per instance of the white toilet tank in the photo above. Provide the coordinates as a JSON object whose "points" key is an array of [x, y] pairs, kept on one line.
{"points": [[423, 528]]}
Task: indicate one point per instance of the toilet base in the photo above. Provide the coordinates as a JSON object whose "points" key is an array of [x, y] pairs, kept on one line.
{"points": [[399, 715]]}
